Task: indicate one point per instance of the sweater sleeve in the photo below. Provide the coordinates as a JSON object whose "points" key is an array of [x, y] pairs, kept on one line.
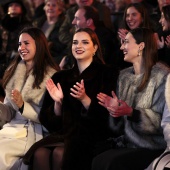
{"points": [[165, 123]]}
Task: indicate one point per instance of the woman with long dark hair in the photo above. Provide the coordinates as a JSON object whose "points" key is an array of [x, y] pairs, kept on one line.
{"points": [[140, 103], [24, 84]]}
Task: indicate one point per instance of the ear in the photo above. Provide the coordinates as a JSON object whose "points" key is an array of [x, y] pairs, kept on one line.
{"points": [[95, 47], [141, 45], [89, 22]]}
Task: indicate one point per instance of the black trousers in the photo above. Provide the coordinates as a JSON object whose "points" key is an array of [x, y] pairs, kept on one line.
{"points": [[125, 159]]}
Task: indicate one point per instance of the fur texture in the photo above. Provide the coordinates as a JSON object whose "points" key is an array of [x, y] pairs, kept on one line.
{"points": [[143, 128]]}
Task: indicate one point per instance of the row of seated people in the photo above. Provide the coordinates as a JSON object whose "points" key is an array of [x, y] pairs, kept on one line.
{"points": [[59, 26], [90, 116], [59, 22]]}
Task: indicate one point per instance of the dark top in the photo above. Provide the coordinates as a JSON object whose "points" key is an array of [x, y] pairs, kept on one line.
{"points": [[78, 127]]}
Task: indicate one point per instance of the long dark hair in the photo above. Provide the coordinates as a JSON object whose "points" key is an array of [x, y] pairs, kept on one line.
{"points": [[166, 12], [144, 14], [42, 58], [149, 52], [98, 56]]}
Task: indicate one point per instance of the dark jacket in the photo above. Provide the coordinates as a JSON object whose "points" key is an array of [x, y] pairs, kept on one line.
{"points": [[57, 48], [67, 29], [77, 127]]}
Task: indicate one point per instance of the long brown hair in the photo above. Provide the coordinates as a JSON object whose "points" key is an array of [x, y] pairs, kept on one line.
{"points": [[144, 14], [42, 58], [149, 52], [166, 12]]}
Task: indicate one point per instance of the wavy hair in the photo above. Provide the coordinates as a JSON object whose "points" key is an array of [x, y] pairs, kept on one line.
{"points": [[42, 59]]}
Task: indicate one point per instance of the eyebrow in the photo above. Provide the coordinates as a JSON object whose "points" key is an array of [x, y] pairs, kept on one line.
{"points": [[82, 40]]}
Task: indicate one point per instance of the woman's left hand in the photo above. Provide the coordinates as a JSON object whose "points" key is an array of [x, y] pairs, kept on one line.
{"points": [[120, 110], [17, 98], [78, 91]]}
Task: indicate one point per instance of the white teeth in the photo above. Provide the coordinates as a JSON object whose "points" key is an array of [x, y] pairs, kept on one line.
{"points": [[23, 53]]}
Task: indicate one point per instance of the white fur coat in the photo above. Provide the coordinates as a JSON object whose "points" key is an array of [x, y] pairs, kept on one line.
{"points": [[11, 149]]}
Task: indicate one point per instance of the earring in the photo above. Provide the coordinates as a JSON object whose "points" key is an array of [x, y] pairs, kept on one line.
{"points": [[94, 53], [139, 52]]}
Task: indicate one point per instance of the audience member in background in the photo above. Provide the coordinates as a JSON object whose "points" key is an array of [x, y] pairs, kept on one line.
{"points": [[71, 111], [12, 23], [67, 29], [163, 3], [135, 15], [164, 42], [88, 17], [70, 3], [38, 7], [140, 103], [24, 84], [110, 4], [50, 24]]}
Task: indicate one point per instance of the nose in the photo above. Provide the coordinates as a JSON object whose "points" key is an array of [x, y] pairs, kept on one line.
{"points": [[79, 45], [21, 46], [74, 21], [129, 17], [122, 46]]}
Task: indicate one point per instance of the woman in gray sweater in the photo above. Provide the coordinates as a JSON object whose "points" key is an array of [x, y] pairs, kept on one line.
{"points": [[139, 103]]}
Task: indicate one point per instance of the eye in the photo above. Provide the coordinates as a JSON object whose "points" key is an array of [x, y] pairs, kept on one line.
{"points": [[85, 42], [125, 41], [75, 42]]}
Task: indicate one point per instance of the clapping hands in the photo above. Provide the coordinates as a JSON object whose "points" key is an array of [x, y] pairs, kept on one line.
{"points": [[55, 91], [17, 98], [115, 106]]}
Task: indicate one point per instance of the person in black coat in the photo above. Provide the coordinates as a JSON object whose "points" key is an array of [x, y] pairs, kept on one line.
{"points": [[71, 113], [50, 24]]}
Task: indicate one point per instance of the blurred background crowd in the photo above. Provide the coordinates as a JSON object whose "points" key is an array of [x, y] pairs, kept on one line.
{"points": [[58, 19]]}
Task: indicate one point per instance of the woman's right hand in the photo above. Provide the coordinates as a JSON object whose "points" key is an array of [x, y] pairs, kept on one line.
{"points": [[55, 91], [122, 34], [108, 101]]}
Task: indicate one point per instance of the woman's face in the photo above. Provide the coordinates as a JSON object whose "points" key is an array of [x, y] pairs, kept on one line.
{"points": [[52, 9], [14, 9], [27, 48], [130, 49], [83, 48], [165, 24], [133, 18]]}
